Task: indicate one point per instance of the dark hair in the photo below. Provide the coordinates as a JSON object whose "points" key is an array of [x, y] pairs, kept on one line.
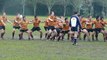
{"points": [[35, 16], [79, 15], [24, 16], [97, 17], [66, 18], [76, 12], [101, 17], [89, 16]]}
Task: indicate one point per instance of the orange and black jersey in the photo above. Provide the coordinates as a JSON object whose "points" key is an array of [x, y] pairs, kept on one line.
{"points": [[98, 24], [89, 24], [16, 22], [103, 23], [24, 25], [83, 22], [1, 24], [51, 21], [2, 20], [58, 24], [36, 22], [65, 27]]}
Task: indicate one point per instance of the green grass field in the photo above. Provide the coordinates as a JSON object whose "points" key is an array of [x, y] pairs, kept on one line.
{"points": [[49, 50]]}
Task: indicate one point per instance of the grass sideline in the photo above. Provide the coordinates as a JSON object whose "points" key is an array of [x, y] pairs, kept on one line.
{"points": [[49, 50]]}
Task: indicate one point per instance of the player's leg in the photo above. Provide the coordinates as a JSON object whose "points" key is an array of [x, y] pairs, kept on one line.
{"points": [[54, 34], [46, 31], [31, 35], [85, 34], [21, 34], [93, 35], [3, 32], [104, 34], [96, 34], [50, 31], [79, 35], [40, 31], [59, 34], [49, 34], [13, 33], [14, 30], [88, 32], [63, 35], [71, 35], [31, 31], [41, 34], [75, 38], [68, 35], [84, 38], [28, 32]]}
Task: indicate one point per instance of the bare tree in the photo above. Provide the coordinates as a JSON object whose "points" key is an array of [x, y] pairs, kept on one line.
{"points": [[76, 4], [87, 8], [49, 4], [34, 4], [102, 3], [23, 7]]}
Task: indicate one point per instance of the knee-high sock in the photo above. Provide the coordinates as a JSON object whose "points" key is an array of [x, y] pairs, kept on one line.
{"points": [[31, 35], [75, 41], [2, 34], [40, 34], [84, 36], [13, 33]]}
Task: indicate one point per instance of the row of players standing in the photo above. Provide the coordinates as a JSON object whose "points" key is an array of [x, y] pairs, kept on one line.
{"points": [[76, 26], [56, 27], [21, 23]]}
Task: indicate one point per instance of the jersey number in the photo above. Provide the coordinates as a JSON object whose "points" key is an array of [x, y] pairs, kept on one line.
{"points": [[73, 22]]}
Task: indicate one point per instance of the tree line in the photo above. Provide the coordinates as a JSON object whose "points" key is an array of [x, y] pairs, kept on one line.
{"points": [[60, 7]]}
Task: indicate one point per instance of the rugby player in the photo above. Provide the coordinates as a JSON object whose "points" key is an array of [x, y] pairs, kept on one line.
{"points": [[74, 25], [36, 27], [24, 28]]}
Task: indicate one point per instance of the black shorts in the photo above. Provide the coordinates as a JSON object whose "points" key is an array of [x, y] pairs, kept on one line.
{"points": [[58, 30], [65, 32], [97, 30], [103, 28], [51, 28], [21, 30], [46, 28], [16, 27], [83, 28], [74, 29], [35, 29], [90, 30], [2, 27]]}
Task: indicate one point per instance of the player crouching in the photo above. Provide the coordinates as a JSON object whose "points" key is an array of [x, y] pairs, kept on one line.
{"points": [[24, 28], [65, 29], [16, 25], [36, 27]]}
